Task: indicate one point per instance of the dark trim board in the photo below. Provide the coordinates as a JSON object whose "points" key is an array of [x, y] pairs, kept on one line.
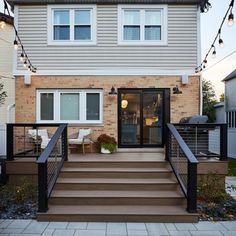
{"points": [[165, 119]]}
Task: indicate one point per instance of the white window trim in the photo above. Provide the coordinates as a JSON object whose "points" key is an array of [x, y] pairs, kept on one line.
{"points": [[93, 20], [164, 25], [56, 106]]}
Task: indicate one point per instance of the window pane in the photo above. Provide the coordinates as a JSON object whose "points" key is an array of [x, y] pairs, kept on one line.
{"points": [[46, 106], [131, 17], [152, 33], [93, 106], [61, 17], [69, 106], [61, 33], [131, 33], [152, 17], [82, 17], [82, 32]]}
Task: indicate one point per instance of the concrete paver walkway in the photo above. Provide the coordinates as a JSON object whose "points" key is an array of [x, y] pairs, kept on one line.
{"points": [[34, 228]]}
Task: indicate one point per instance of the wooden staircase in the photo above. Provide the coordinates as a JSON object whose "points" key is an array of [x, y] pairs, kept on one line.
{"points": [[136, 187]]}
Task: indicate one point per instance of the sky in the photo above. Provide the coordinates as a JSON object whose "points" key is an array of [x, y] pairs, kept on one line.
{"points": [[210, 23]]}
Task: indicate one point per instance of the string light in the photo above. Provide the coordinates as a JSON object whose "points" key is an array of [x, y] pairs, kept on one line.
{"points": [[17, 42], [22, 57], [212, 49], [214, 52]]}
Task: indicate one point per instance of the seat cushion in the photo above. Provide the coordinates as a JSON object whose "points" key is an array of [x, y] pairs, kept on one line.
{"points": [[75, 141]]}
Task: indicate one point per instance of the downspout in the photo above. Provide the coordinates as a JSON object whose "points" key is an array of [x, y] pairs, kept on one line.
{"points": [[199, 58], [9, 115]]}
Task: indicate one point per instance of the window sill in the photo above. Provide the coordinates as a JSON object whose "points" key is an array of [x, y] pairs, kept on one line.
{"points": [[85, 125], [123, 43], [71, 43]]}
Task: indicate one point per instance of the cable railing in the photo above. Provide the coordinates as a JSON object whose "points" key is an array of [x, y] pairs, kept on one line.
{"points": [[184, 165], [50, 163], [205, 140], [28, 140], [185, 144]]}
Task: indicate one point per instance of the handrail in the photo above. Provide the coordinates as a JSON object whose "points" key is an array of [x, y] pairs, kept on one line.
{"points": [[47, 151], [190, 173], [182, 144], [46, 179]]}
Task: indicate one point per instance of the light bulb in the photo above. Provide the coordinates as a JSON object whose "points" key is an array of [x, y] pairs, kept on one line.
{"points": [[231, 19], [213, 54], [15, 44], [2, 24], [22, 57], [221, 43], [25, 64]]}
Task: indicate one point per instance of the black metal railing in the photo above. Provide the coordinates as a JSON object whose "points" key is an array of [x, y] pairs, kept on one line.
{"points": [[205, 140], [3, 176], [21, 142], [50, 163], [184, 165]]}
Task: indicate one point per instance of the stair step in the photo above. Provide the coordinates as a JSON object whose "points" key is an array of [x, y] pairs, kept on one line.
{"points": [[116, 164], [118, 213], [115, 184], [105, 197], [115, 172]]}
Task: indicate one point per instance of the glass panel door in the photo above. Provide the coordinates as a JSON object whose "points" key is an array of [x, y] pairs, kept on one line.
{"points": [[152, 117], [141, 118], [129, 118]]}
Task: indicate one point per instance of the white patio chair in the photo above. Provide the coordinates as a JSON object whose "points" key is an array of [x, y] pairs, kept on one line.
{"points": [[84, 137], [42, 133]]}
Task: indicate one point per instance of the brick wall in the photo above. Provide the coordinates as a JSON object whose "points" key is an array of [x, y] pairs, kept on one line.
{"points": [[185, 104]]}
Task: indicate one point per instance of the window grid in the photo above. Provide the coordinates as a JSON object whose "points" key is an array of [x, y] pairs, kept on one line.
{"points": [[89, 34], [82, 106], [231, 119], [153, 31]]}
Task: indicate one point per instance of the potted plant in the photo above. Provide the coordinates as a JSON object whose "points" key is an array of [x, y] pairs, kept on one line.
{"points": [[106, 143]]}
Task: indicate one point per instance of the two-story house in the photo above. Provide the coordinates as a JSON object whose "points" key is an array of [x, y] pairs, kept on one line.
{"points": [[82, 49]]}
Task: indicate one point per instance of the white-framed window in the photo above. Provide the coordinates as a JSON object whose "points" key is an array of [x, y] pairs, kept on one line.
{"points": [[231, 119], [71, 24], [142, 25], [70, 106]]}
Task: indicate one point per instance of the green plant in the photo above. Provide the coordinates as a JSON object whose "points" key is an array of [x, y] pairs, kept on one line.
{"points": [[232, 168], [109, 146], [24, 191], [209, 189], [107, 142]]}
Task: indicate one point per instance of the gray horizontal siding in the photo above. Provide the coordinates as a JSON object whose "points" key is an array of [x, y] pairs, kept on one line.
{"points": [[181, 52]]}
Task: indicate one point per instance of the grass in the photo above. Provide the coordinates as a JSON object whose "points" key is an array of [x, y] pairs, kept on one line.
{"points": [[232, 168]]}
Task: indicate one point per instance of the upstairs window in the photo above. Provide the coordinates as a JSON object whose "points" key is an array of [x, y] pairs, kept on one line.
{"points": [[71, 25], [138, 25]]}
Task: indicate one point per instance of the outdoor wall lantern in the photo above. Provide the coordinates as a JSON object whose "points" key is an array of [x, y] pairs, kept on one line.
{"points": [[113, 91], [176, 90]]}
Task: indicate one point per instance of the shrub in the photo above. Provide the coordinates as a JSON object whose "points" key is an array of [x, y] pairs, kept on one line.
{"points": [[209, 189], [106, 139]]}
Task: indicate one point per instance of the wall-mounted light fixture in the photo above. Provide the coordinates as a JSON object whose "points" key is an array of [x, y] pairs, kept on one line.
{"points": [[113, 91], [176, 90]]}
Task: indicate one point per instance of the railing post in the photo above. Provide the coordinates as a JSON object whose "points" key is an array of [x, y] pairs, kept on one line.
{"points": [[10, 142], [167, 146], [65, 144], [192, 188], [223, 142], [42, 187]]}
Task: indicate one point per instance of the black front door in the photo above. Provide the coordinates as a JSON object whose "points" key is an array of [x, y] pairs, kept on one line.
{"points": [[141, 117]]}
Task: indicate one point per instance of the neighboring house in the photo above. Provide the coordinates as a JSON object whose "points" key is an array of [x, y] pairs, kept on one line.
{"points": [[83, 50], [226, 112], [6, 76], [230, 109]]}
